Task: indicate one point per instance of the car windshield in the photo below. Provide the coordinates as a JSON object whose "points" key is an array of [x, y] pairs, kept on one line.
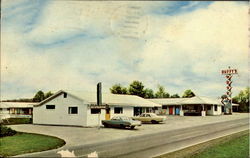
{"points": [[116, 118], [126, 118], [153, 115]]}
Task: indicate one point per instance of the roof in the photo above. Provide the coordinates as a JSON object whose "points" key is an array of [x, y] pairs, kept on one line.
{"points": [[187, 101], [167, 101], [107, 99], [16, 104]]}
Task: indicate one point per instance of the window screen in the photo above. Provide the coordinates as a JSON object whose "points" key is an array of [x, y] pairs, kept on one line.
{"points": [[73, 110], [118, 110], [215, 108], [50, 106], [95, 111]]}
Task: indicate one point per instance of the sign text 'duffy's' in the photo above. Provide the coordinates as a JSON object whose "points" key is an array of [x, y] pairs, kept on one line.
{"points": [[229, 71]]}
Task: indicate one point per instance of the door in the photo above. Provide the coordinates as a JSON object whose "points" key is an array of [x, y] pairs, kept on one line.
{"points": [[171, 110], [177, 111], [107, 116]]}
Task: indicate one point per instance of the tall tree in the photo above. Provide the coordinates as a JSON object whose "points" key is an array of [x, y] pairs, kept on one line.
{"points": [[175, 96], [118, 89], [39, 96], [48, 94], [188, 94], [149, 93], [137, 88], [243, 100], [161, 92]]}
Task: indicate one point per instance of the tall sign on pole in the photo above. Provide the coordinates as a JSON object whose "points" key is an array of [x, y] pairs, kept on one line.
{"points": [[227, 99]]}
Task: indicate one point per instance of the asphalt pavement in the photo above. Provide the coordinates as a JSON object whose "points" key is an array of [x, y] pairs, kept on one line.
{"points": [[148, 141]]}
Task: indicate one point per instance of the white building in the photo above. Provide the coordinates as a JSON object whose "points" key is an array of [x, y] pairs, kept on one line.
{"points": [[16, 109], [80, 109], [189, 106]]}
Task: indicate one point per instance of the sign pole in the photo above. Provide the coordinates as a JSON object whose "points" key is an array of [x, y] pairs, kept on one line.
{"points": [[227, 99], [99, 100]]}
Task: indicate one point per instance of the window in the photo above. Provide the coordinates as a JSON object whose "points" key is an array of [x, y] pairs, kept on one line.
{"points": [[209, 107], [64, 95], [164, 107], [50, 106], [73, 110], [215, 108], [118, 110], [95, 111]]}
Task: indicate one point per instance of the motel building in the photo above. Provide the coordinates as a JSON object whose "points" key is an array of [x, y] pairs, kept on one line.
{"points": [[195, 106], [16, 110], [80, 108]]}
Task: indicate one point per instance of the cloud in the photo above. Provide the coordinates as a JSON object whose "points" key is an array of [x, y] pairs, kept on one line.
{"points": [[75, 44]]}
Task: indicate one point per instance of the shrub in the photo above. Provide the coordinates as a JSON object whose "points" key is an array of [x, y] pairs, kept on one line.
{"points": [[6, 131], [13, 121]]}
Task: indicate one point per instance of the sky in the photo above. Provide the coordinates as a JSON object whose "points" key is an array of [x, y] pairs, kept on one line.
{"points": [[73, 45]]}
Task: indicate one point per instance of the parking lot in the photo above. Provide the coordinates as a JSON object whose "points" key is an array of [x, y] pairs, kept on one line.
{"points": [[75, 136]]}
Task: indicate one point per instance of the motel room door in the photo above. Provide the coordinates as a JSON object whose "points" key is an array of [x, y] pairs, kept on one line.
{"points": [[177, 110], [170, 110], [107, 115]]}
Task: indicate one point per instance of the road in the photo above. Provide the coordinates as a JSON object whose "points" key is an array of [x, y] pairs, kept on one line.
{"points": [[157, 143]]}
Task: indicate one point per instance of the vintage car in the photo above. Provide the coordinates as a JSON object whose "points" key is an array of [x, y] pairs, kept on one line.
{"points": [[150, 117], [122, 122]]}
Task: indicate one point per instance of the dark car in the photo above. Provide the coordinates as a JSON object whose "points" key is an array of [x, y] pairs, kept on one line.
{"points": [[122, 122]]}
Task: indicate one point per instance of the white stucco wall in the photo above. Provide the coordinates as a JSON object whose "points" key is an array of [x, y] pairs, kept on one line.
{"points": [[93, 119], [59, 115], [218, 112], [213, 112], [127, 111]]}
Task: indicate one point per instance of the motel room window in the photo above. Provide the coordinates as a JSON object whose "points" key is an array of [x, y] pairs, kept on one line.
{"points": [[64, 95], [73, 110], [118, 110], [50, 106], [209, 107], [95, 111], [164, 107], [215, 108]]}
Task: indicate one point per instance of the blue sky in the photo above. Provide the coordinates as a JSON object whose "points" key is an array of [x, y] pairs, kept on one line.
{"points": [[53, 45]]}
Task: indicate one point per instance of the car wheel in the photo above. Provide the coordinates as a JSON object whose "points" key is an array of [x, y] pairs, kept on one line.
{"points": [[154, 122], [132, 127], [105, 125]]}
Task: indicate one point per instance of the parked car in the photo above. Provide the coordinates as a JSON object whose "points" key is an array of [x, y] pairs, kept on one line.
{"points": [[150, 117], [122, 122]]}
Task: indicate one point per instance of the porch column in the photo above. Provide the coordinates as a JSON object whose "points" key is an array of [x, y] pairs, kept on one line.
{"points": [[181, 111], [203, 112], [30, 111]]}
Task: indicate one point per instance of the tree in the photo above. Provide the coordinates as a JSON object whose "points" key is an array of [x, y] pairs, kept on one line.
{"points": [[188, 94], [48, 94], [39, 96], [149, 93], [118, 89], [137, 88], [161, 92], [243, 100], [175, 96]]}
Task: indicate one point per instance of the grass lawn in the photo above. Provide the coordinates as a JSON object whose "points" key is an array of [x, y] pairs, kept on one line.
{"points": [[232, 146], [26, 143]]}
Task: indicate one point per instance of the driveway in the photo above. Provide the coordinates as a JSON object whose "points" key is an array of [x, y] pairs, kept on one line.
{"points": [[76, 136]]}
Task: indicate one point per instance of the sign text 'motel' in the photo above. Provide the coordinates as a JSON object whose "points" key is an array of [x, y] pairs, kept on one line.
{"points": [[229, 71]]}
